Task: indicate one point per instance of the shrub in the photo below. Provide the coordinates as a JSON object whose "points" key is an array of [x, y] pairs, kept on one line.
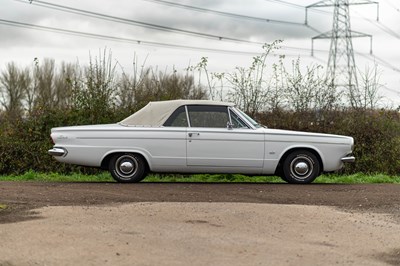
{"points": [[25, 142], [376, 134]]}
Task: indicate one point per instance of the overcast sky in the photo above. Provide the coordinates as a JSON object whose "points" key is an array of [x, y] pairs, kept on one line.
{"points": [[22, 45]]}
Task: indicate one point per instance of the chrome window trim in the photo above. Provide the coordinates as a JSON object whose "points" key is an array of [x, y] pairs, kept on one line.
{"points": [[245, 122], [187, 116], [249, 125], [229, 109], [229, 114]]}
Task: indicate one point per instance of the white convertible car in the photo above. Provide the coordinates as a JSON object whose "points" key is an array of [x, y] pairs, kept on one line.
{"points": [[199, 136]]}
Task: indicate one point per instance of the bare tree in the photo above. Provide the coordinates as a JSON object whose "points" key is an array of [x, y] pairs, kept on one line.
{"points": [[275, 98], [66, 81], [160, 85], [12, 88], [249, 88], [95, 92], [130, 84], [45, 94], [366, 95], [214, 81], [31, 90], [308, 90]]}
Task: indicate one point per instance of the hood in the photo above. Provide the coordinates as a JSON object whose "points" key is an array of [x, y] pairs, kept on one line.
{"points": [[307, 136]]}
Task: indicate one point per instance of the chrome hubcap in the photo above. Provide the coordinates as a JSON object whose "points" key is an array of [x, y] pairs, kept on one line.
{"points": [[126, 167], [301, 168]]}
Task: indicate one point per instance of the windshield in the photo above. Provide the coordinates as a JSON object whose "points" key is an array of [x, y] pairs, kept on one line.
{"points": [[249, 119]]}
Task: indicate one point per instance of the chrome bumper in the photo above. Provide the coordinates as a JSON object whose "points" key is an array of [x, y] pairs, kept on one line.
{"points": [[348, 159], [58, 152]]}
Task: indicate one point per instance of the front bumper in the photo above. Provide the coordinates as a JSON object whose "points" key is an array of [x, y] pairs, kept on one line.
{"points": [[348, 159], [58, 152]]}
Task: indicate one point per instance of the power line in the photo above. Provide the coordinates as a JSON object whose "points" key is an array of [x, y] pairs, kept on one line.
{"points": [[170, 29], [135, 22], [171, 46], [389, 89], [126, 40], [286, 3], [161, 44], [149, 43], [385, 63], [393, 5], [373, 58], [144, 24], [118, 39], [341, 70], [233, 15], [379, 25]]}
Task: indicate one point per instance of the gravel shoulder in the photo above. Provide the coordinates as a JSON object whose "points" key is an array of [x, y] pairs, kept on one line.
{"points": [[198, 224]]}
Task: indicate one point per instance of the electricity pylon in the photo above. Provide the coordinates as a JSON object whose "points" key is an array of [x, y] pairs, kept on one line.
{"points": [[341, 70]]}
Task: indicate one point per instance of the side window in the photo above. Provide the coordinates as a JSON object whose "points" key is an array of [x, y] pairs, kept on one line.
{"points": [[177, 118], [208, 116], [237, 121]]}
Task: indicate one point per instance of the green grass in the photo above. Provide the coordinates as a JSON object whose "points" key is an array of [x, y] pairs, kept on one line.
{"points": [[220, 178], [55, 177], [358, 178]]}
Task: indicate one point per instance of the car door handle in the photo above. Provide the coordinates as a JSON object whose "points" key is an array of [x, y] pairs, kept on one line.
{"points": [[191, 134]]}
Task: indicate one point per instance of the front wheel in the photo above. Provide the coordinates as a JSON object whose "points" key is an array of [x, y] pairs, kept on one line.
{"points": [[127, 168], [301, 167]]}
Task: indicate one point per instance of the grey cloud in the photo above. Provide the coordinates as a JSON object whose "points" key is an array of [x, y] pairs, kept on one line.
{"points": [[172, 17]]}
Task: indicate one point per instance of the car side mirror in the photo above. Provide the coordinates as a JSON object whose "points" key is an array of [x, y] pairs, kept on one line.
{"points": [[229, 125]]}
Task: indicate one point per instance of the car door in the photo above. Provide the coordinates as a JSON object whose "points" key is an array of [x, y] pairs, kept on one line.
{"points": [[168, 145], [211, 143]]}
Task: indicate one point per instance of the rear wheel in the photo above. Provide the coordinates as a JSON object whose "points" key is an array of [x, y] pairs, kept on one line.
{"points": [[127, 168], [301, 167]]}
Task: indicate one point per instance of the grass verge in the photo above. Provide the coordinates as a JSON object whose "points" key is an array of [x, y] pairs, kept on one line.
{"points": [[55, 177], [358, 178]]}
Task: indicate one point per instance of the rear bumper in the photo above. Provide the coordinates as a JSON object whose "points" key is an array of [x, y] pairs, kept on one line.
{"points": [[348, 159], [58, 152]]}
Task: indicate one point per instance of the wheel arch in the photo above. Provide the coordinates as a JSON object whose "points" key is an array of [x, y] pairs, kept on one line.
{"points": [[106, 159], [279, 169]]}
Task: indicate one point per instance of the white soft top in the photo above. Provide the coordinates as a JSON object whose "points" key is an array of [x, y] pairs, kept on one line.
{"points": [[154, 114]]}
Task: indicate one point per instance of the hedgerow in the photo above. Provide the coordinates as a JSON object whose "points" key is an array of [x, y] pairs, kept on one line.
{"points": [[24, 143], [36, 99]]}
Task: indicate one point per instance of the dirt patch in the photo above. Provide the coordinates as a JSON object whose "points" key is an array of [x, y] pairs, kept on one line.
{"points": [[198, 224], [173, 233], [20, 197], [391, 258]]}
